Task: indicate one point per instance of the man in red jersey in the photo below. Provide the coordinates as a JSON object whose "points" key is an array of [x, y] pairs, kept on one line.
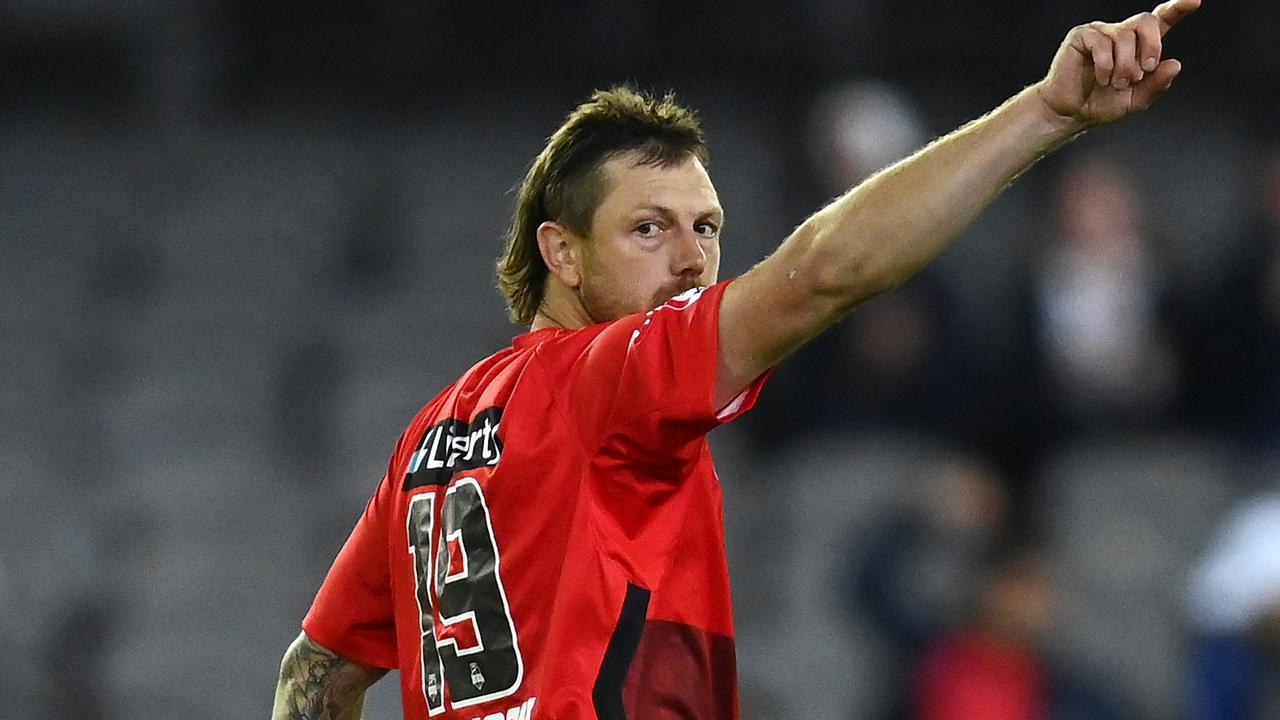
{"points": [[547, 539]]}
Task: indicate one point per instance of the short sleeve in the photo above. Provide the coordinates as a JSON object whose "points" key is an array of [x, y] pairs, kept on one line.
{"points": [[660, 369], [352, 614]]}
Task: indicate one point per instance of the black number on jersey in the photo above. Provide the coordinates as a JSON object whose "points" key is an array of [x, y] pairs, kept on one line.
{"points": [[463, 589]]}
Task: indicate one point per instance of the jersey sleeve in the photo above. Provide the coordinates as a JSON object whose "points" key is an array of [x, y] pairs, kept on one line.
{"points": [[660, 370], [352, 613]]}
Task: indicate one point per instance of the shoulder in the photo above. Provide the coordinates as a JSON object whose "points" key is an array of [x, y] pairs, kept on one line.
{"points": [[678, 311], [603, 349]]}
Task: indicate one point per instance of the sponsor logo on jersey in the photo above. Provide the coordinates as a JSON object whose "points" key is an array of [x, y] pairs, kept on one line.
{"points": [[451, 446]]}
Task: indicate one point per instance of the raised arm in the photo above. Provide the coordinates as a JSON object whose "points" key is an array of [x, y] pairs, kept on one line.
{"points": [[318, 684], [886, 229]]}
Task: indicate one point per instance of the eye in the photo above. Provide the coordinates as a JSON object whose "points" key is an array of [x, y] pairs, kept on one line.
{"points": [[648, 229], [706, 229]]}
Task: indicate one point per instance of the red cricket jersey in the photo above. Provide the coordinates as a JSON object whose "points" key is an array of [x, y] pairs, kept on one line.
{"points": [[548, 539]]}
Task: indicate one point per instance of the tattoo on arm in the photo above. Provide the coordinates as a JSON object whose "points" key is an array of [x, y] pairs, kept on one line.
{"points": [[317, 684]]}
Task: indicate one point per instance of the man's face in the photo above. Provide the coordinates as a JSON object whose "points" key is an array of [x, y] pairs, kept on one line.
{"points": [[655, 234]]}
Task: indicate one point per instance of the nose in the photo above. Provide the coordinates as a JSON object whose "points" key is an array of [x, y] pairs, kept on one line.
{"points": [[690, 257]]}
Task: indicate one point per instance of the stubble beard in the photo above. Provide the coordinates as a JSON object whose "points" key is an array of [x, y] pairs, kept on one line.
{"points": [[602, 308]]}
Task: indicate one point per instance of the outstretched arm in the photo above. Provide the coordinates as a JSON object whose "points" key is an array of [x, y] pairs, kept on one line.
{"points": [[318, 684], [883, 231]]}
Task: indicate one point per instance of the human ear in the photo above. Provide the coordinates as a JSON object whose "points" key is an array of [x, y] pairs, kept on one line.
{"points": [[561, 251]]}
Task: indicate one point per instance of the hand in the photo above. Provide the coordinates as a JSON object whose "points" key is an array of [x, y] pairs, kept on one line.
{"points": [[1106, 71]]}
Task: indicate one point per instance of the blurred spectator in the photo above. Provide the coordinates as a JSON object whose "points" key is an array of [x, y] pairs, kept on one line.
{"points": [[918, 573], [1235, 607], [1235, 338], [1100, 312], [990, 668], [899, 359], [859, 127], [993, 666], [963, 611]]}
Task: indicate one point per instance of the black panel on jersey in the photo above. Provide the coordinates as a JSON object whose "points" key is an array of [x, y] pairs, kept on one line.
{"points": [[607, 693]]}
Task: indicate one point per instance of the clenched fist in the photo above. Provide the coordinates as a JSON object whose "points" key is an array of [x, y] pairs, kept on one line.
{"points": [[1105, 71]]}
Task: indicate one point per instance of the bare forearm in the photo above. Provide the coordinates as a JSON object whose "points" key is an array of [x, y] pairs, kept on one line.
{"points": [[890, 226], [880, 233], [317, 684]]}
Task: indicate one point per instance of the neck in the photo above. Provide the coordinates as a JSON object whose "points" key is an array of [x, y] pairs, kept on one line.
{"points": [[542, 321], [561, 308]]}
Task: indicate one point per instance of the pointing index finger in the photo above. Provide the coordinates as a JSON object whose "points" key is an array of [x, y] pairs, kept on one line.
{"points": [[1171, 11]]}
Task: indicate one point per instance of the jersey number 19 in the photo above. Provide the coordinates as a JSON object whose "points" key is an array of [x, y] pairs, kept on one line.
{"points": [[471, 647]]}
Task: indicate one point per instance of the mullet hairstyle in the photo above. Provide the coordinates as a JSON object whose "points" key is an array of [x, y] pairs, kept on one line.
{"points": [[566, 182]]}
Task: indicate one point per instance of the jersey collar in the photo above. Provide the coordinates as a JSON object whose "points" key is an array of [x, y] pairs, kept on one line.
{"points": [[530, 339]]}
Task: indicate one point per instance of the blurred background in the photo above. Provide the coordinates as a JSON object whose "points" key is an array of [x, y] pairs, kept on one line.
{"points": [[242, 242]]}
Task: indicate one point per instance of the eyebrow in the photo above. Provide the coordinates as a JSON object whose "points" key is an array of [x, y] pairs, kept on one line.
{"points": [[668, 214]]}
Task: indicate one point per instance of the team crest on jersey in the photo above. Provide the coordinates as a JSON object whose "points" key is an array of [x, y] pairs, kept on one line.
{"points": [[451, 446]]}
